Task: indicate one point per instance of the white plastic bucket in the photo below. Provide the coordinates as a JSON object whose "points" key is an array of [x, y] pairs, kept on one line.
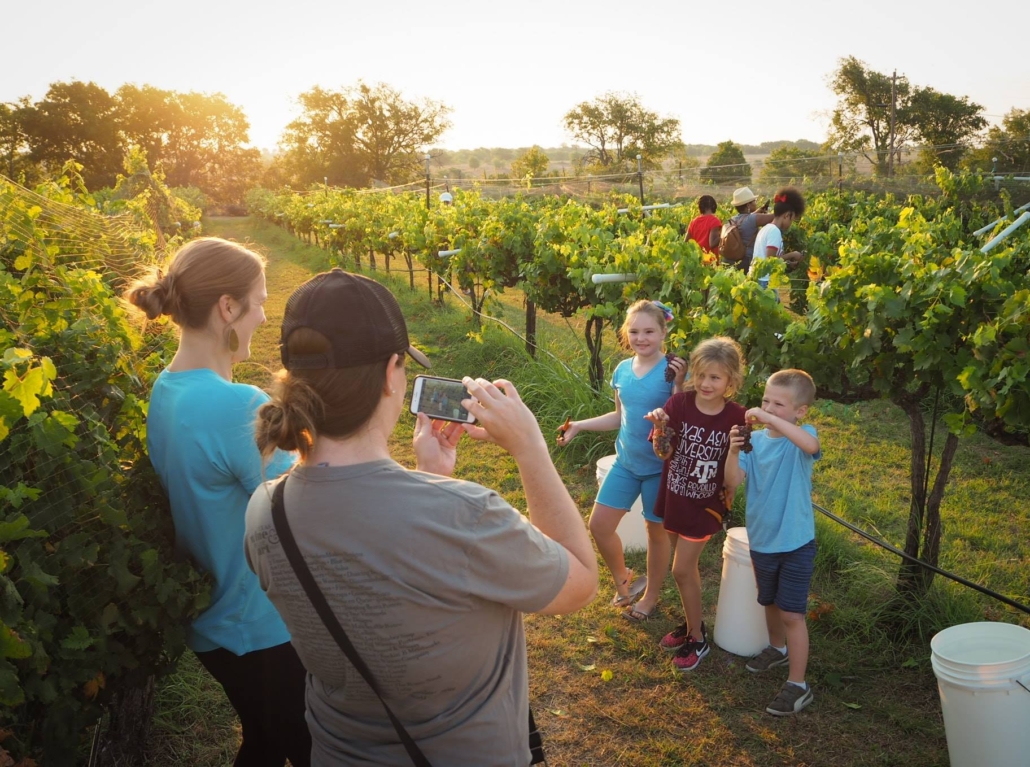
{"points": [[983, 672], [739, 620], [632, 529]]}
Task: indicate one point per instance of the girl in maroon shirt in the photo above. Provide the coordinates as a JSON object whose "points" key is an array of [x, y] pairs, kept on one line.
{"points": [[692, 436]]}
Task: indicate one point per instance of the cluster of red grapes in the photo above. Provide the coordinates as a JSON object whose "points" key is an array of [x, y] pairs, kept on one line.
{"points": [[670, 373], [745, 431], [661, 439]]}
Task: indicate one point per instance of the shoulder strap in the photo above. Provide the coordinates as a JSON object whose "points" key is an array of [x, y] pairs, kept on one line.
{"points": [[325, 612]]}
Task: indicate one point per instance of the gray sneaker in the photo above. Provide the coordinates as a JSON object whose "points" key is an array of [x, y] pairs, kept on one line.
{"points": [[790, 700], [769, 658]]}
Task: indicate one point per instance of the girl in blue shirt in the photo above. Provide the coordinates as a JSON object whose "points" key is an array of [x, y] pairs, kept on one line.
{"points": [[200, 437], [640, 385]]}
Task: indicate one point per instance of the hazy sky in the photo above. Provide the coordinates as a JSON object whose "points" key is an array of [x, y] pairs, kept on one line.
{"points": [[511, 70]]}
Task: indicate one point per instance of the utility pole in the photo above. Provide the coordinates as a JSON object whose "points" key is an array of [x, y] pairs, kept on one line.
{"points": [[894, 104], [427, 179], [640, 178]]}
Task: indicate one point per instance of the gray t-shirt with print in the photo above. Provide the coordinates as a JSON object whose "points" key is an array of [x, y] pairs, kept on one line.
{"points": [[429, 577]]}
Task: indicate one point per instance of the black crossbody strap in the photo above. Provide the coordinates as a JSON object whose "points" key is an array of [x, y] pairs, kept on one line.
{"points": [[325, 612]]}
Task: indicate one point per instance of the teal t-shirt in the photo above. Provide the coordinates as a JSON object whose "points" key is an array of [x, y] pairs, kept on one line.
{"points": [[639, 396], [779, 493], [200, 436]]}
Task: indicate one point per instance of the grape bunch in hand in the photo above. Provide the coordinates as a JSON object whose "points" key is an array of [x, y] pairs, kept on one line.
{"points": [[670, 372], [745, 432]]}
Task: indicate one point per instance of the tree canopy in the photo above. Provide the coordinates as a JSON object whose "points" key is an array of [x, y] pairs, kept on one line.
{"points": [[196, 139], [944, 123], [861, 122], [532, 163], [617, 128], [75, 121], [727, 165], [789, 163], [360, 133], [1010, 144]]}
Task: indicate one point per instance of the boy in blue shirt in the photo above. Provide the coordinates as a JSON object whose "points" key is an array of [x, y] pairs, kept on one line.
{"points": [[780, 524]]}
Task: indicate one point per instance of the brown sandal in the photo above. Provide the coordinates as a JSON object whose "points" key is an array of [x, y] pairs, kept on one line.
{"points": [[636, 589], [639, 616]]}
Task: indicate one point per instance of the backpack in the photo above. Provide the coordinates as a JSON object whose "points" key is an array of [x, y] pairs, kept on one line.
{"points": [[731, 243]]}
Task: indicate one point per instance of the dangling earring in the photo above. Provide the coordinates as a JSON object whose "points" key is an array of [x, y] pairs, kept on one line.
{"points": [[234, 340]]}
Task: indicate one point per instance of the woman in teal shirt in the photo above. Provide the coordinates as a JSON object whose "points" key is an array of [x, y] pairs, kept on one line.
{"points": [[200, 436]]}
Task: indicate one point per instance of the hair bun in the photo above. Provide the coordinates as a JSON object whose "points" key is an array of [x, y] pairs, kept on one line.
{"points": [[156, 296]]}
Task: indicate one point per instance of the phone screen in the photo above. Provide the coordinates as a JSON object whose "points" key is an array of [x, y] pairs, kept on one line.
{"points": [[440, 398]]}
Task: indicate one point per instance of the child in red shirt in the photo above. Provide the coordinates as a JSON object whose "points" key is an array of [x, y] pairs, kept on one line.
{"points": [[706, 229], [692, 436]]}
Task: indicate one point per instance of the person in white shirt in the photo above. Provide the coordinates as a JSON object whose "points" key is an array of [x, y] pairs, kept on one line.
{"points": [[788, 207]]}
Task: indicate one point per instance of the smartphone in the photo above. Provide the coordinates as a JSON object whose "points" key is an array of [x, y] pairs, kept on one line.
{"points": [[440, 398]]}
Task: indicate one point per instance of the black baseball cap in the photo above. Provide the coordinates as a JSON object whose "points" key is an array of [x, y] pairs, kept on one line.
{"points": [[359, 317]]}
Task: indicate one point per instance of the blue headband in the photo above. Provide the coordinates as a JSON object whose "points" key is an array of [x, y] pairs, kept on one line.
{"points": [[666, 310]]}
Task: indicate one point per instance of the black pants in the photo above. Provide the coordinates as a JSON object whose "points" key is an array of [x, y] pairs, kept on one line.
{"points": [[266, 687]]}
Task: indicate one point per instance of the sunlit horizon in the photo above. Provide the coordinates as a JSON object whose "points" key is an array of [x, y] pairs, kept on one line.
{"points": [[509, 76]]}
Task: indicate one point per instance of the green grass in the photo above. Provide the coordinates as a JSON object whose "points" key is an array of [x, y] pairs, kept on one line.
{"points": [[876, 697]]}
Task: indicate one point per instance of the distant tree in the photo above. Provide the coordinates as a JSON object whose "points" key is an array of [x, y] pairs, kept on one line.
{"points": [[945, 124], [727, 166], [391, 132], [617, 128], [14, 149], [205, 147], [1010, 144], [75, 121], [204, 129], [361, 133], [861, 122], [474, 162], [146, 115], [533, 163], [320, 143], [789, 162], [196, 139]]}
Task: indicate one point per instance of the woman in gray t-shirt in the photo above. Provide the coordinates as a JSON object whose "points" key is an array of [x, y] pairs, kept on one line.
{"points": [[428, 575]]}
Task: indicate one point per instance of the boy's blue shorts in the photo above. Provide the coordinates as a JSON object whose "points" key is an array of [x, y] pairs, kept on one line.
{"points": [[784, 578], [621, 488]]}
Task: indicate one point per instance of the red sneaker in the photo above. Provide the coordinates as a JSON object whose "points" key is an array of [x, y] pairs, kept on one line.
{"points": [[688, 657], [675, 638]]}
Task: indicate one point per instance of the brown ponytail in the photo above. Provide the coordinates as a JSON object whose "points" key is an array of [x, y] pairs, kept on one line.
{"points": [[308, 403]]}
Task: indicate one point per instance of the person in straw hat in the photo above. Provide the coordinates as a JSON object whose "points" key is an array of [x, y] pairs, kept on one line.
{"points": [[748, 220]]}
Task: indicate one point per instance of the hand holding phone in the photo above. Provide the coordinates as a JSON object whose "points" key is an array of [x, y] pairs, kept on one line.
{"points": [[504, 418], [440, 398], [435, 444]]}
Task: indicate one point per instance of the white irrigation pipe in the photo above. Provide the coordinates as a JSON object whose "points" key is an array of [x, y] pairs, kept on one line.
{"points": [[1006, 232], [448, 253], [989, 227], [650, 207], [598, 279]]}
